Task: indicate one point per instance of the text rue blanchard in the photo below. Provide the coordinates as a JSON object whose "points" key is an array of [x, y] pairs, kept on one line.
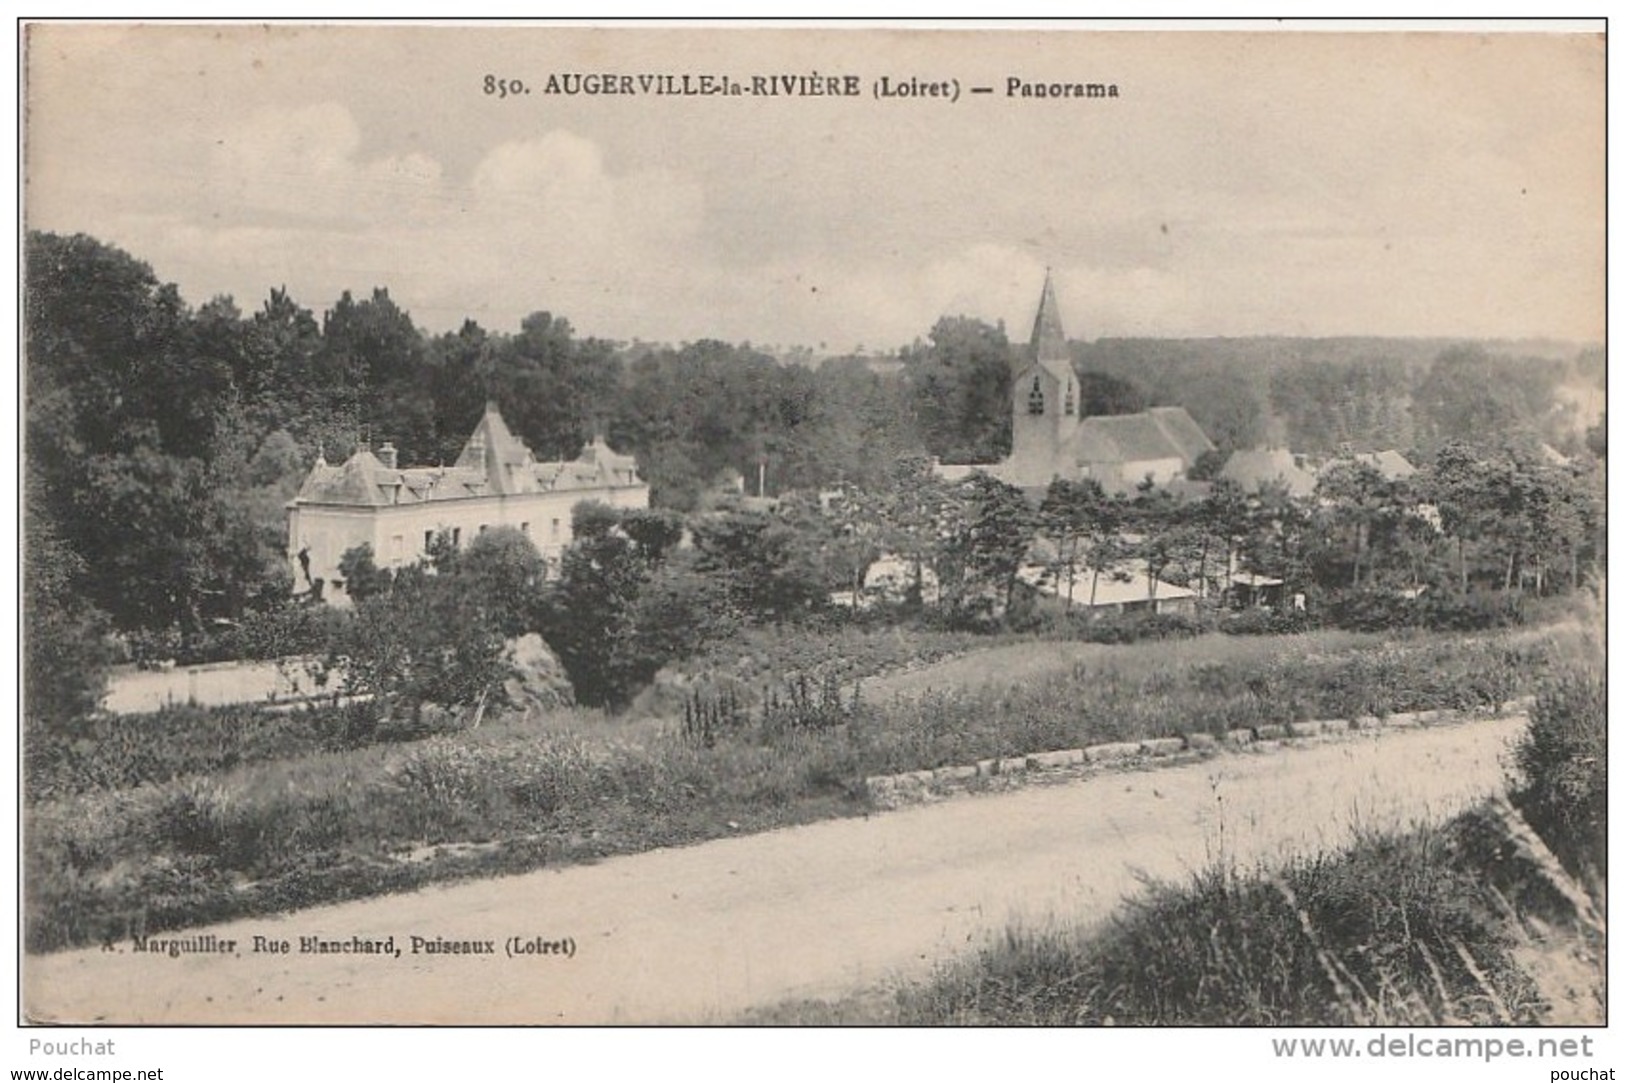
{"points": [[385, 947]]}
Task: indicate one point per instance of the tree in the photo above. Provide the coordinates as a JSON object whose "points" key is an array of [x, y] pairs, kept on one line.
{"points": [[919, 511], [1102, 393], [1329, 404], [426, 640], [1469, 393], [363, 578], [1069, 518], [65, 650], [772, 568], [1158, 521], [1363, 507], [1277, 528], [960, 386], [1596, 438], [505, 576], [610, 633], [1107, 549], [856, 530], [997, 532]]}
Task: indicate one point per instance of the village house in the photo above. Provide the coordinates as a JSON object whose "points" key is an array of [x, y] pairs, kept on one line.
{"points": [[398, 511], [1050, 437], [1253, 470]]}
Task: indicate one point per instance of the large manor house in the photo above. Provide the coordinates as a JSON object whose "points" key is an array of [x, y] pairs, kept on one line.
{"points": [[496, 481], [398, 511]]}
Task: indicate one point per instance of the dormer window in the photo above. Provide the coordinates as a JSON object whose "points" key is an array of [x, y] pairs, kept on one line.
{"points": [[1035, 398], [1071, 400]]}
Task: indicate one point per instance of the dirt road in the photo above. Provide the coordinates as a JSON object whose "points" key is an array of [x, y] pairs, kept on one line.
{"points": [[704, 932]]}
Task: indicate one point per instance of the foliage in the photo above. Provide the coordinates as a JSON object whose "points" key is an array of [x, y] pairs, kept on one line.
{"points": [[287, 630], [960, 385], [65, 650], [983, 530], [110, 753], [770, 565], [1338, 403], [429, 639], [620, 609], [231, 812], [504, 575], [363, 578], [1562, 762], [1257, 620], [1393, 930]]}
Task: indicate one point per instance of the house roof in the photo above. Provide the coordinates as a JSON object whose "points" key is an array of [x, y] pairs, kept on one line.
{"points": [[1390, 464], [1253, 469], [494, 462], [1126, 582]]}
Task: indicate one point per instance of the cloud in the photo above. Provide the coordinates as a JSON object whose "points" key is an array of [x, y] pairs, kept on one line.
{"points": [[304, 164]]}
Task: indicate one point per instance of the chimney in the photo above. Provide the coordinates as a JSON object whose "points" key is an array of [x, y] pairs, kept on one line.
{"points": [[386, 454]]}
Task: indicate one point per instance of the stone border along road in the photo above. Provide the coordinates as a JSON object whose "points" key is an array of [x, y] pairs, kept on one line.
{"points": [[709, 932], [913, 787]]}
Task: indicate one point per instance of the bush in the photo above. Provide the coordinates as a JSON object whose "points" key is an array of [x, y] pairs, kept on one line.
{"points": [[1362, 610], [112, 753], [1133, 627], [1266, 622], [1454, 611], [1563, 764], [284, 632], [1391, 931]]}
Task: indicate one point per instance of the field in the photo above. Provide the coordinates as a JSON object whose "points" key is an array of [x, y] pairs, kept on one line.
{"points": [[182, 818], [1496, 917]]}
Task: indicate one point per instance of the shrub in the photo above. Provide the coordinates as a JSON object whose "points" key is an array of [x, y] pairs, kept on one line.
{"points": [[1454, 611], [111, 753], [1259, 621], [1363, 610], [1133, 627], [1390, 931], [1563, 764], [285, 631]]}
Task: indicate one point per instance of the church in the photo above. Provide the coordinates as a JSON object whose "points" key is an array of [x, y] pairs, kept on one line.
{"points": [[1051, 439], [398, 511]]}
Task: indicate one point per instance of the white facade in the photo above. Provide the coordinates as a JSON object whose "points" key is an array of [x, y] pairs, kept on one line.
{"points": [[496, 482]]}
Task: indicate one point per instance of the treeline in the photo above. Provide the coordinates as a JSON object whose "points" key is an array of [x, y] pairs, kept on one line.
{"points": [[1461, 545], [1320, 395], [163, 440]]}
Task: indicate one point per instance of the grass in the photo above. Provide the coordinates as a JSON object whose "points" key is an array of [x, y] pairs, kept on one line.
{"points": [[1494, 918], [1402, 928], [217, 830]]}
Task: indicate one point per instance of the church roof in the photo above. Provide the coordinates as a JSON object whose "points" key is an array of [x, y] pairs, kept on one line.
{"points": [[1165, 432], [1183, 430], [1049, 341]]}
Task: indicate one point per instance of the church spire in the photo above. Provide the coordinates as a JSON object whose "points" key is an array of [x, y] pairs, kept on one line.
{"points": [[1049, 341]]}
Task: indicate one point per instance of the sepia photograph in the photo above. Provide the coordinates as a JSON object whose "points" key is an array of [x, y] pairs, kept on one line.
{"points": [[794, 526]]}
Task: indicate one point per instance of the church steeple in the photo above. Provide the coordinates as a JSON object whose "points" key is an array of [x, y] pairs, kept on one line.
{"points": [[1049, 341]]}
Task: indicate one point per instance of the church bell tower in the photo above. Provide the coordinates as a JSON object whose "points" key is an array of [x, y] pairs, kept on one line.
{"points": [[1044, 397]]}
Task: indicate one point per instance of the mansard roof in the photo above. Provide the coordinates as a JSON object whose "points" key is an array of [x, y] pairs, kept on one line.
{"points": [[494, 462]]}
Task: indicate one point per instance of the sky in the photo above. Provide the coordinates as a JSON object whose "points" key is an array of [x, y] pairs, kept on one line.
{"points": [[1240, 183]]}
